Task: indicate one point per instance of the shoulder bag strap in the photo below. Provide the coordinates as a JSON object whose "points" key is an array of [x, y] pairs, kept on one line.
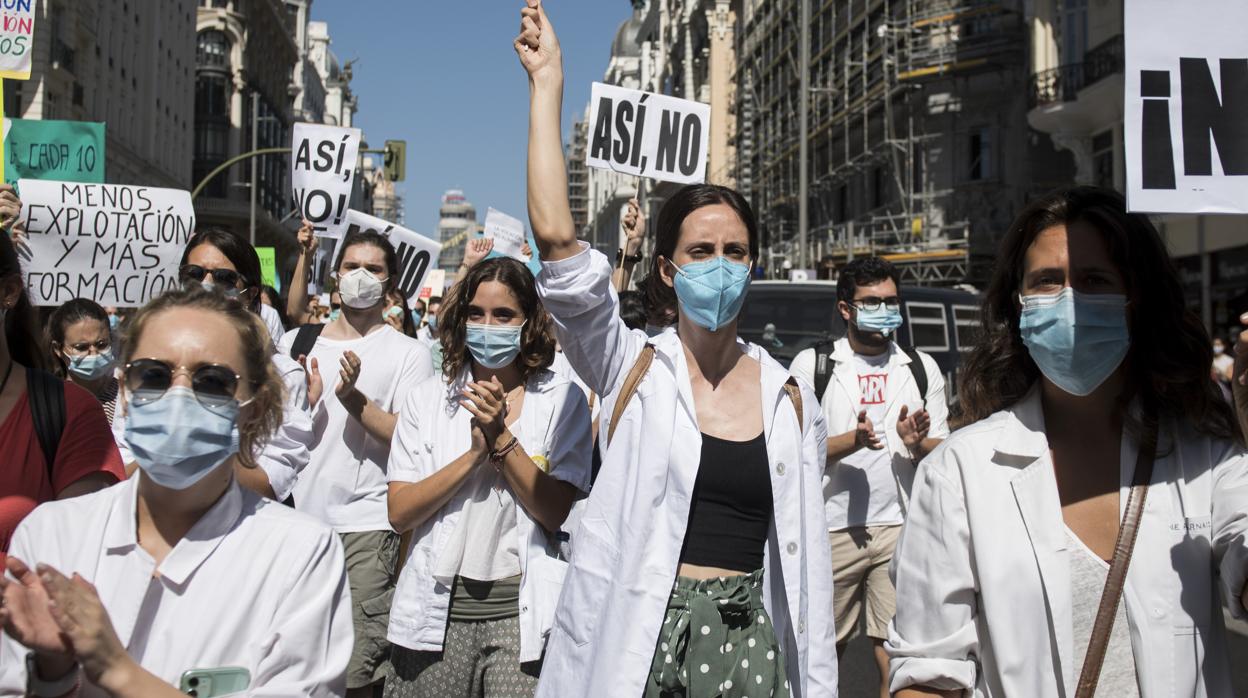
{"points": [[1117, 576], [824, 365], [305, 339], [795, 395], [635, 374], [919, 371], [46, 396]]}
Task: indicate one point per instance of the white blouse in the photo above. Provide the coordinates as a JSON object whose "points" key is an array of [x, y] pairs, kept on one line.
{"points": [[253, 584]]}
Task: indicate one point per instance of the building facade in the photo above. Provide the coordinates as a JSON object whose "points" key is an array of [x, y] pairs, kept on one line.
{"points": [[133, 69], [1076, 96], [457, 223]]}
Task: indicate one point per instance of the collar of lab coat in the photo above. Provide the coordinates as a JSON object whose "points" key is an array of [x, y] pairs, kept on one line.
{"points": [[121, 535], [1023, 434]]}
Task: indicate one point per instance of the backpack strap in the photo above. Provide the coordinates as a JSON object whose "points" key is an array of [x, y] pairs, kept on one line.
{"points": [[824, 366], [919, 370], [46, 394], [305, 340], [631, 381], [795, 395]]}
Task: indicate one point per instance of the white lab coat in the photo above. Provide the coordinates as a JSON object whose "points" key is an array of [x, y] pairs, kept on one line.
{"points": [[983, 578], [253, 584], [433, 430], [841, 400], [627, 548]]}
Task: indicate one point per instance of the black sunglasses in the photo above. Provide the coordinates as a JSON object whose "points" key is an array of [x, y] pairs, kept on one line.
{"points": [[224, 277], [214, 385]]}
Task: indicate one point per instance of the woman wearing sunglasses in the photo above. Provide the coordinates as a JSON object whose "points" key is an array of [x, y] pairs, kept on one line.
{"points": [[369, 370], [85, 458], [1092, 413], [180, 569], [220, 261], [701, 565], [82, 347], [486, 462]]}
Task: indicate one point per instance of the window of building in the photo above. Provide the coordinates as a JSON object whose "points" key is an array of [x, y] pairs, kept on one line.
{"points": [[982, 154], [1072, 29], [212, 49], [928, 331], [966, 326], [1103, 158]]}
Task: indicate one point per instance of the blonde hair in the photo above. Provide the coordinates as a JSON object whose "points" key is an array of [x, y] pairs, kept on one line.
{"points": [[268, 392]]}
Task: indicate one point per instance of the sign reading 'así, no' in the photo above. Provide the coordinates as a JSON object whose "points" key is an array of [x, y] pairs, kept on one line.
{"points": [[322, 175], [647, 134]]}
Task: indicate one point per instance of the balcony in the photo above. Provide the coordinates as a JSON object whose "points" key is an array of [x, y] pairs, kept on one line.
{"points": [[1079, 99], [1064, 83]]}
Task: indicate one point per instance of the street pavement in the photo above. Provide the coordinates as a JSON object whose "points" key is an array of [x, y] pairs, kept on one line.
{"points": [[859, 678]]}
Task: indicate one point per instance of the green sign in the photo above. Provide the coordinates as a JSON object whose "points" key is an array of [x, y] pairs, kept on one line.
{"points": [[66, 151], [268, 265]]}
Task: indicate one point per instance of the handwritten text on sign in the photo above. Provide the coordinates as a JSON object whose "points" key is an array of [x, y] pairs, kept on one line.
{"points": [[415, 251], [1186, 106], [117, 245], [17, 32], [507, 233], [322, 172], [647, 134], [66, 151]]}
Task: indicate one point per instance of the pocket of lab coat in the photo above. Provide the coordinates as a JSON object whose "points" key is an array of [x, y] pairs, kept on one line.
{"points": [[547, 574], [588, 580]]}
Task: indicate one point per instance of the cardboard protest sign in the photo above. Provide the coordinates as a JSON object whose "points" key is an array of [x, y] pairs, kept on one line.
{"points": [[65, 151], [416, 252], [1186, 106], [322, 170], [647, 134], [507, 233], [117, 245], [17, 38], [268, 266]]}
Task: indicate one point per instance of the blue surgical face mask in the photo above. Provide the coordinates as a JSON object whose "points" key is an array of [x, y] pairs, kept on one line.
{"points": [[493, 346], [91, 366], [711, 292], [433, 321], [1077, 339], [334, 314], [416, 316], [113, 321], [883, 319], [176, 440]]}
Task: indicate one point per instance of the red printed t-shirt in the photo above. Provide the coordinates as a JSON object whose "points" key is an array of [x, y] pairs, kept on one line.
{"points": [[86, 447]]}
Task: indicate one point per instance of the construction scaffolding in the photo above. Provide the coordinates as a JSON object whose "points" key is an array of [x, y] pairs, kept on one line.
{"points": [[880, 136]]}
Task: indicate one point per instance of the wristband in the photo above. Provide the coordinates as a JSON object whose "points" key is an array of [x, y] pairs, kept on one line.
{"points": [[497, 456], [37, 686]]}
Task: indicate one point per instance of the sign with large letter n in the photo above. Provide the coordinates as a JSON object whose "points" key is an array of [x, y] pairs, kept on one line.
{"points": [[1186, 106]]}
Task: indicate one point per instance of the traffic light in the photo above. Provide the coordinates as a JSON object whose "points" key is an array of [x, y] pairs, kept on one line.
{"points": [[396, 160]]}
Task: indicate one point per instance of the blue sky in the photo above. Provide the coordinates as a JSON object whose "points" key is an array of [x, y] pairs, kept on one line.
{"points": [[443, 76]]}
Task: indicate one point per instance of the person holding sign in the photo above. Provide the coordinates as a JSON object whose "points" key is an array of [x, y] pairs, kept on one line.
{"points": [[82, 347], [486, 462], [370, 370], [701, 564], [1078, 529], [40, 463], [124, 592]]}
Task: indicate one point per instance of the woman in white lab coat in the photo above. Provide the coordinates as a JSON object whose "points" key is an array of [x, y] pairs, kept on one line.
{"points": [[486, 462], [701, 565], [179, 576], [1088, 349]]}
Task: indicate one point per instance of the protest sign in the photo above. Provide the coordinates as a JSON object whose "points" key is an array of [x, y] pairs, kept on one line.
{"points": [[507, 233], [1186, 106], [322, 263], [17, 34], [647, 134], [415, 251], [322, 173], [268, 265], [65, 151], [114, 244], [434, 286]]}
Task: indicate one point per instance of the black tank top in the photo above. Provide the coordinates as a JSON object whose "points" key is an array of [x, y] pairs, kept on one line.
{"points": [[731, 508]]}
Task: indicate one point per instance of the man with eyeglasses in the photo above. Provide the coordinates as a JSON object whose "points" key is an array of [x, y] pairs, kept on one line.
{"points": [[885, 410]]}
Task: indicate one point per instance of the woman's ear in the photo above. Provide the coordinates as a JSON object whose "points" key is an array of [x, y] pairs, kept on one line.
{"points": [[10, 291], [665, 272]]}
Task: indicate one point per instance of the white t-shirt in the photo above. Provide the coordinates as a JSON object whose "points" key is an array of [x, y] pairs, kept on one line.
{"points": [[863, 491], [253, 584], [344, 484], [273, 321]]}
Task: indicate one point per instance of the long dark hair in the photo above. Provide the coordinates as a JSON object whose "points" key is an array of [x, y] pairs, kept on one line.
{"points": [[1167, 366], [661, 298], [240, 253], [537, 342], [74, 311], [21, 323]]}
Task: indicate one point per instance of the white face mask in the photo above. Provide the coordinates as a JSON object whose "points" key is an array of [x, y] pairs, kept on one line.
{"points": [[360, 289]]}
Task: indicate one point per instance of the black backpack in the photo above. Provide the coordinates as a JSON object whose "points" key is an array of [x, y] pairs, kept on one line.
{"points": [[824, 365], [305, 340], [46, 395]]}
